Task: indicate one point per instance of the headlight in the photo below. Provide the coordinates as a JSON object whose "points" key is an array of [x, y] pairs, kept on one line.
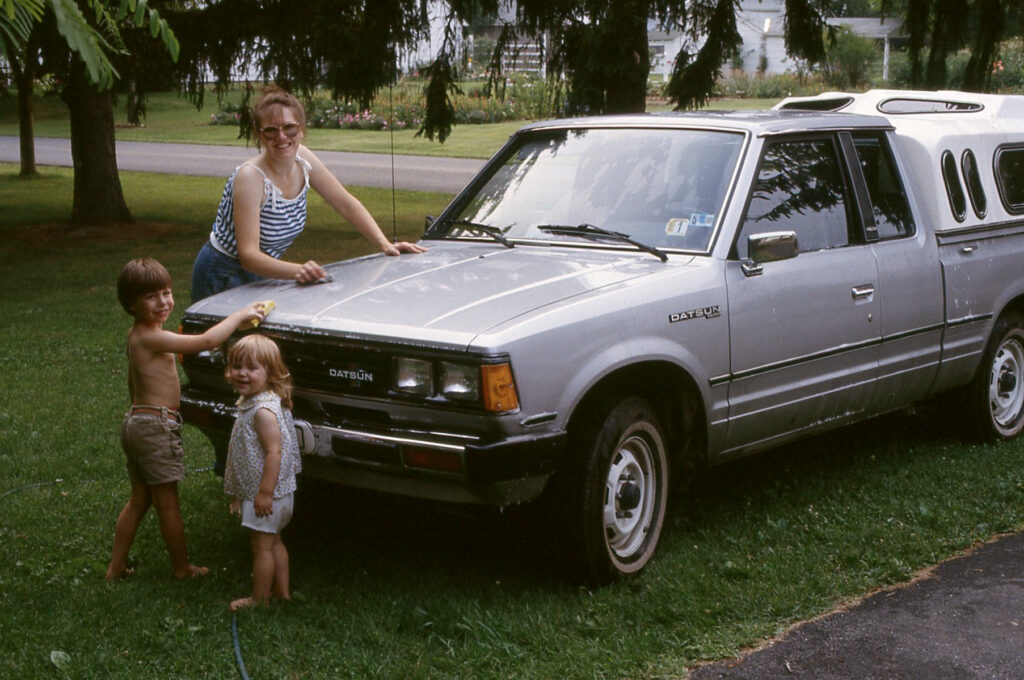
{"points": [[489, 386], [460, 381], [413, 376]]}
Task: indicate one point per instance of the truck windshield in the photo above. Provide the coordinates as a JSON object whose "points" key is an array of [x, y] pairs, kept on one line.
{"points": [[662, 187]]}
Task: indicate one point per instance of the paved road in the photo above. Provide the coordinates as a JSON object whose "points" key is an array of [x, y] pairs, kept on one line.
{"points": [[963, 621], [417, 173]]}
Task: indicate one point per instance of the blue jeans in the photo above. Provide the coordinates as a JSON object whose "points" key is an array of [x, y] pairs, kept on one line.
{"points": [[214, 272]]}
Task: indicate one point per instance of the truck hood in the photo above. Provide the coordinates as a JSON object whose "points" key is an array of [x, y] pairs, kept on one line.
{"points": [[448, 295]]}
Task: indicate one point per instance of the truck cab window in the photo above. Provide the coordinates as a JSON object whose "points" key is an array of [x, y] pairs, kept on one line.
{"points": [[889, 203], [799, 188], [1010, 177]]}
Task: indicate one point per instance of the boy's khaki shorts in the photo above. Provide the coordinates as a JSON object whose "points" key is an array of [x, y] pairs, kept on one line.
{"points": [[152, 448]]}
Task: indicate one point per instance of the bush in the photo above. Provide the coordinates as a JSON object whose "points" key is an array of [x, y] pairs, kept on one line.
{"points": [[1006, 74], [848, 59], [520, 97], [745, 85]]}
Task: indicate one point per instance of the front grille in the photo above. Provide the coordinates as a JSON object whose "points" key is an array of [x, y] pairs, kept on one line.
{"points": [[333, 367]]}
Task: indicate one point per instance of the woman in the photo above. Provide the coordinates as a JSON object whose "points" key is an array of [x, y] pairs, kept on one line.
{"points": [[263, 207]]}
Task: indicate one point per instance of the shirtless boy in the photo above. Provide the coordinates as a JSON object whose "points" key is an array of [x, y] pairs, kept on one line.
{"points": [[151, 430]]}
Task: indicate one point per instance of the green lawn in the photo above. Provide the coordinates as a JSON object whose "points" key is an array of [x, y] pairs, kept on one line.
{"points": [[389, 588], [172, 118]]}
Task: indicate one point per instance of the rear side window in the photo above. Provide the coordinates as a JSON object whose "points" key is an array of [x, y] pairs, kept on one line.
{"points": [[973, 178], [889, 204], [954, 188], [799, 188], [1010, 177]]}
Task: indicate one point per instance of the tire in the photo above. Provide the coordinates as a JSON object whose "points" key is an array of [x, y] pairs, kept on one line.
{"points": [[620, 487], [997, 391]]}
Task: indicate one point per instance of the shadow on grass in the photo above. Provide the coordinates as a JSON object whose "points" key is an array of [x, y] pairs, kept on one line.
{"points": [[398, 538]]}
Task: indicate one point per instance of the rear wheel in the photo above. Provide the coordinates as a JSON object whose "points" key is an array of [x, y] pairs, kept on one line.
{"points": [[997, 392], [619, 490]]}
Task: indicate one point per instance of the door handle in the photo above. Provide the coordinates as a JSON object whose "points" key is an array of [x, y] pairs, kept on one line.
{"points": [[863, 291]]}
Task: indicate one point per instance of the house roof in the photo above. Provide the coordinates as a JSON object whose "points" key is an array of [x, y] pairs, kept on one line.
{"points": [[756, 20], [870, 27]]}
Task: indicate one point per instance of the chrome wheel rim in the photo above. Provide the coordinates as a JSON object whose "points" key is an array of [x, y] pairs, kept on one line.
{"points": [[630, 496], [1006, 383]]}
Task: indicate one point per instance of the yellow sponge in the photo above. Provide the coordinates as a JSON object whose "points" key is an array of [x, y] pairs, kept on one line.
{"points": [[266, 306]]}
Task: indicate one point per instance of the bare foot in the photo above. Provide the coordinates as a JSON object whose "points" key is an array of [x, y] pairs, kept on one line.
{"points": [[245, 603], [191, 572], [118, 575]]}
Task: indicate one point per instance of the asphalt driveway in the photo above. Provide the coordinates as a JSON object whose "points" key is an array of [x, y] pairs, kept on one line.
{"points": [[962, 620], [416, 173]]}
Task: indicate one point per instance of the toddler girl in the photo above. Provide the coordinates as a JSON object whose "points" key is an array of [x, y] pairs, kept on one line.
{"points": [[263, 459]]}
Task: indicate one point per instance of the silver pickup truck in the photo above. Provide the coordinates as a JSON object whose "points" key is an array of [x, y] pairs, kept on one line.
{"points": [[616, 301]]}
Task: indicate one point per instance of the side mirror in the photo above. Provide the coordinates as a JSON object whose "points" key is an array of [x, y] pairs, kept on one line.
{"points": [[768, 247], [428, 222]]}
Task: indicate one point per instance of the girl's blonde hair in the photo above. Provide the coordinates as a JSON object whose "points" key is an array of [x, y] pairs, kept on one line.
{"points": [[265, 352]]}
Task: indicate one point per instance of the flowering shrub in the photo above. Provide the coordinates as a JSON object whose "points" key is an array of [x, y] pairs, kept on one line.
{"points": [[520, 97], [224, 118]]}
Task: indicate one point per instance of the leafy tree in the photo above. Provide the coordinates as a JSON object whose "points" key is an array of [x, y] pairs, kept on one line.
{"points": [[349, 47], [938, 28], [19, 45], [16, 23], [601, 47], [87, 76]]}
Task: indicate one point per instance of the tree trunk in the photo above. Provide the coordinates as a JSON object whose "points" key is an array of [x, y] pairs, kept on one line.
{"points": [[24, 75], [626, 88], [134, 105], [98, 199]]}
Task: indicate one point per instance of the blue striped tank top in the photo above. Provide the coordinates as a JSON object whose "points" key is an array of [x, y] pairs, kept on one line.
{"points": [[281, 219]]}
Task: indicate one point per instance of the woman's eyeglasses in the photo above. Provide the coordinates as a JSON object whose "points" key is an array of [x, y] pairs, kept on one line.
{"points": [[271, 131]]}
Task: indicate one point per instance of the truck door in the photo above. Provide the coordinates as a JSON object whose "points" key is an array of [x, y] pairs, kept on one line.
{"points": [[804, 332], [910, 276]]}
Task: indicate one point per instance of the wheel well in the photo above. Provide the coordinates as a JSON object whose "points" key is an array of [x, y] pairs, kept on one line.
{"points": [[673, 394], [1015, 305]]}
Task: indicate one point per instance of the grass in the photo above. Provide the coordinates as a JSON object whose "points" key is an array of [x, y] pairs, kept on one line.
{"points": [[173, 119], [389, 588]]}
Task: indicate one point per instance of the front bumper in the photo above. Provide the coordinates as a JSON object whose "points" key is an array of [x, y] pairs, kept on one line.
{"points": [[435, 465]]}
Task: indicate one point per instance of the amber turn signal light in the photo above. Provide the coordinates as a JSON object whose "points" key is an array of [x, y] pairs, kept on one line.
{"points": [[499, 389]]}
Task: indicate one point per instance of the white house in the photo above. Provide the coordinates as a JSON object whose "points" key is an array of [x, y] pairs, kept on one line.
{"points": [[875, 28], [761, 25]]}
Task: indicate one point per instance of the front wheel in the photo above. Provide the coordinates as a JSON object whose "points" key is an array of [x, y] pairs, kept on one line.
{"points": [[997, 392], [621, 487]]}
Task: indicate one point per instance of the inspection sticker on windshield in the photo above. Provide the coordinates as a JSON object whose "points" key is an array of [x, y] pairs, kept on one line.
{"points": [[677, 227], [704, 220]]}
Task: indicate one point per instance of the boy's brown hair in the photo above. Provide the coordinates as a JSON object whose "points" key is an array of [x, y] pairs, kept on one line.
{"points": [[140, 276]]}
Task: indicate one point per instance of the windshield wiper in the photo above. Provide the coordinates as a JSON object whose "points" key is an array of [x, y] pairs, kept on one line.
{"points": [[493, 232], [590, 231]]}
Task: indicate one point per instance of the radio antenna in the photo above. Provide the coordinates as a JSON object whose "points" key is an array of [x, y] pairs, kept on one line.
{"points": [[391, 128]]}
